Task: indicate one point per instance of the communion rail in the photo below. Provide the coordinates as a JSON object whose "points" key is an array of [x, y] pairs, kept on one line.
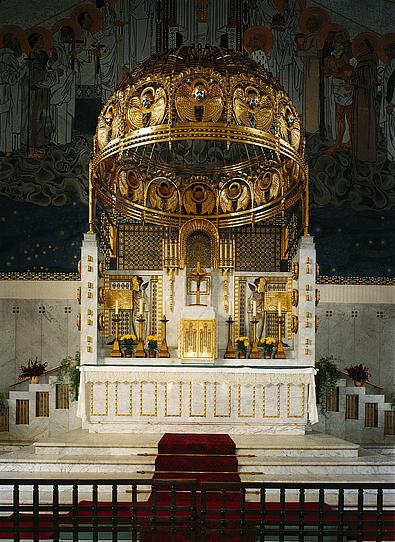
{"points": [[185, 510]]}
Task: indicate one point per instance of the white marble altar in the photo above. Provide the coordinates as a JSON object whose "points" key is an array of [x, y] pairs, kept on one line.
{"points": [[161, 397]]}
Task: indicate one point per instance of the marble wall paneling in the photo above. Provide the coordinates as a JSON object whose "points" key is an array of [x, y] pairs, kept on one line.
{"points": [[8, 320], [386, 350], [73, 334], [28, 331], [54, 331]]}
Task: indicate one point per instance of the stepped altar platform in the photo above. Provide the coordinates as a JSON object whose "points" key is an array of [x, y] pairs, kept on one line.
{"points": [[136, 396]]}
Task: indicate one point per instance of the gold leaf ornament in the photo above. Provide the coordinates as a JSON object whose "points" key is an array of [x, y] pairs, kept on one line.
{"points": [[199, 101], [148, 109], [252, 108]]}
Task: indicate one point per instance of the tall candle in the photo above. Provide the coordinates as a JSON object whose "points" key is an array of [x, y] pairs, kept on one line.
{"points": [[141, 305], [230, 308], [279, 308], [116, 307], [253, 308]]}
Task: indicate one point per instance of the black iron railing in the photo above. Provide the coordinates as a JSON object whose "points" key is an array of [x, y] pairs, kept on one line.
{"points": [[184, 510]]}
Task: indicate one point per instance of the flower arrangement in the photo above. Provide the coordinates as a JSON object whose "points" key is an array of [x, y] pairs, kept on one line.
{"points": [[152, 342], [69, 373], [32, 369], [268, 344], [359, 373], [242, 344], [128, 341]]}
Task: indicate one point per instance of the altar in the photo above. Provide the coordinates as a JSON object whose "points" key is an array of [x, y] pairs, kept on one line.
{"points": [[221, 398], [198, 274]]}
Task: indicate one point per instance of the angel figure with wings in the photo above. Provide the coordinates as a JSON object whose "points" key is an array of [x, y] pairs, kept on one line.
{"points": [[199, 101], [235, 197], [148, 109], [289, 126], [252, 109]]}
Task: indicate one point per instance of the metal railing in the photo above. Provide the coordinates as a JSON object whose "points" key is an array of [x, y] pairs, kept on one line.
{"points": [[164, 510]]}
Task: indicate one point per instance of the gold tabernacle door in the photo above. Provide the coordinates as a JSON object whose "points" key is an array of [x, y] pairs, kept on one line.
{"points": [[198, 338]]}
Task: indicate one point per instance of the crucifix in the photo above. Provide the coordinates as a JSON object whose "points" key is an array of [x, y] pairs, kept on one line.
{"points": [[198, 275]]}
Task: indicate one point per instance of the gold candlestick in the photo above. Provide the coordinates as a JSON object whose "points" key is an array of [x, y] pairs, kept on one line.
{"points": [[140, 352], [280, 354], [116, 351], [230, 353], [164, 350], [254, 354]]}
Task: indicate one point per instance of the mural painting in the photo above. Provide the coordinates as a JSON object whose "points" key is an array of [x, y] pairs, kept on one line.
{"points": [[55, 74]]}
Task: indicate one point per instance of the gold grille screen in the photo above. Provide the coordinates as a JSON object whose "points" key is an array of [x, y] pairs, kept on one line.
{"points": [[140, 246], [258, 248]]}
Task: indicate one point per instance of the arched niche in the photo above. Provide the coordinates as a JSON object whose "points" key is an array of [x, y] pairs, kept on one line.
{"points": [[196, 226]]}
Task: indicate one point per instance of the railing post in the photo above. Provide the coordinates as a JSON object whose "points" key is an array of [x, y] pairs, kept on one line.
{"points": [[360, 516], [15, 505], [379, 515], [301, 514], [55, 508], [114, 513], [262, 514], [321, 501], [133, 510], [94, 513], [74, 510], [282, 514], [340, 512], [36, 513]]}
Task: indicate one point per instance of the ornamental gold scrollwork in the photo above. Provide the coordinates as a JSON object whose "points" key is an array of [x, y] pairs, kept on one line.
{"points": [[101, 322], [102, 268], [295, 270], [163, 194], [79, 295], [316, 324], [252, 108], [294, 324], [78, 321], [317, 296], [109, 125], [235, 195], [101, 295], [289, 125], [199, 198], [199, 100], [268, 186], [146, 109], [131, 186], [295, 298]]}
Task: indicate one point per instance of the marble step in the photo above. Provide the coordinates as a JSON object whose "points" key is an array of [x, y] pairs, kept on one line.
{"points": [[81, 443]]}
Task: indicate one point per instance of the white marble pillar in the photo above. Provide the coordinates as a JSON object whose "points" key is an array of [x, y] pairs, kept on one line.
{"points": [[89, 298], [305, 283]]}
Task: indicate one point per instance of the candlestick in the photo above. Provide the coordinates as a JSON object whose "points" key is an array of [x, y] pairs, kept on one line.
{"points": [[230, 353], [140, 352], [116, 351], [164, 350], [254, 354], [280, 354]]}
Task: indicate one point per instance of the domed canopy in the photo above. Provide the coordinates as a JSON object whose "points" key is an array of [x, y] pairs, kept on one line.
{"points": [[195, 131]]}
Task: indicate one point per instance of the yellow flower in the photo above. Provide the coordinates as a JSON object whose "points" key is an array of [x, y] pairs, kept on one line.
{"points": [[128, 337], [152, 338]]}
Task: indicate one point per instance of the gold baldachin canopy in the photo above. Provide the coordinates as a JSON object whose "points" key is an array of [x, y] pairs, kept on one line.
{"points": [[199, 132]]}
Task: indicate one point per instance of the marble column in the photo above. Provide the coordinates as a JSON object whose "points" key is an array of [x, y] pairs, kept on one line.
{"points": [[89, 298], [305, 282]]}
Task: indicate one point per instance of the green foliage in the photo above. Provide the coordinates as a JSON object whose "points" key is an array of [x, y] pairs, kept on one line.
{"points": [[33, 368], [3, 403], [69, 373], [326, 378], [393, 401]]}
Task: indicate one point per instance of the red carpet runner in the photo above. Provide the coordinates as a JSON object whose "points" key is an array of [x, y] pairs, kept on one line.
{"points": [[220, 515]]}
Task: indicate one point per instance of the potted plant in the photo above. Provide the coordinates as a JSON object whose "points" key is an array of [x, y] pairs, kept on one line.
{"points": [[33, 370], [128, 341], [268, 344], [326, 378], [359, 373], [242, 345], [152, 343], [69, 373]]}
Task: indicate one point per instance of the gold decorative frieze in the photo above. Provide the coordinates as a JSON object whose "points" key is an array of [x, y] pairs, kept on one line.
{"points": [[219, 395], [278, 402], [202, 387], [94, 389], [291, 402]]}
